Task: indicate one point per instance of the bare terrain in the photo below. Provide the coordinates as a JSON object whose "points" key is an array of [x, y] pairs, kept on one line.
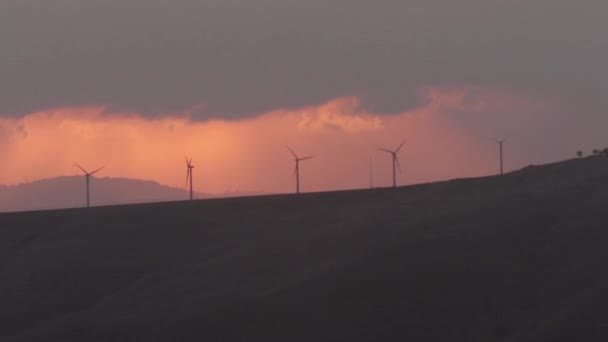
{"points": [[514, 258]]}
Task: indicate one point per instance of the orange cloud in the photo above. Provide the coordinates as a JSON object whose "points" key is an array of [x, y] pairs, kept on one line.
{"points": [[250, 154], [343, 115]]}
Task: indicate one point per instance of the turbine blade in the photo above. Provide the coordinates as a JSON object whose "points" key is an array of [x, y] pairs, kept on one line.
{"points": [[94, 172], [384, 150], [292, 152], [305, 158], [187, 176], [80, 167], [398, 165], [400, 146]]}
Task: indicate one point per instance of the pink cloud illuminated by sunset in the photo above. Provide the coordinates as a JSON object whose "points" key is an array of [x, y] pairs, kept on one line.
{"points": [[250, 155]]}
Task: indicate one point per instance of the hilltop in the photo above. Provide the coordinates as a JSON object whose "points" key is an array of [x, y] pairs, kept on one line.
{"points": [[69, 192], [515, 258]]}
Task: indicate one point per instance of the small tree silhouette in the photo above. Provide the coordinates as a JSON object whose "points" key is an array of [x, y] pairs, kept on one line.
{"points": [[596, 152], [579, 154]]}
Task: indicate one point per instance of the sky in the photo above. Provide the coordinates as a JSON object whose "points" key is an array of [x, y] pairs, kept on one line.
{"points": [[134, 85]]}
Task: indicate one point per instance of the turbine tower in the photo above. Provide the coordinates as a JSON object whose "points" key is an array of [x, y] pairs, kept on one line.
{"points": [[297, 170], [500, 150], [395, 161], [87, 176], [189, 174], [371, 173]]}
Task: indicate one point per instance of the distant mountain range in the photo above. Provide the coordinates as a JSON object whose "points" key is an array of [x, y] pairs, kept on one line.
{"points": [[69, 192]]}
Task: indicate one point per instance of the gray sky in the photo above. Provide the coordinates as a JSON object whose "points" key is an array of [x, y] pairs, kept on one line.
{"points": [[243, 57]]}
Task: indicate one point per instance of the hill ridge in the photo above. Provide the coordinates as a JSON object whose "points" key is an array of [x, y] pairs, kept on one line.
{"points": [[484, 259]]}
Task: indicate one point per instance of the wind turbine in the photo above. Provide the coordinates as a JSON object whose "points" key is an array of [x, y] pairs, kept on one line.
{"points": [[88, 175], [297, 170], [395, 161], [500, 149], [371, 173], [189, 174]]}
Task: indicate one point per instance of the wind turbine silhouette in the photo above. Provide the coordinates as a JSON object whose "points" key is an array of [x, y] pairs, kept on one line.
{"points": [[371, 173], [395, 161], [297, 170], [189, 174], [88, 175], [500, 149]]}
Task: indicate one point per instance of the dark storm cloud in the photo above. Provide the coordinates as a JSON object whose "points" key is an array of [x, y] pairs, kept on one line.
{"points": [[242, 57]]}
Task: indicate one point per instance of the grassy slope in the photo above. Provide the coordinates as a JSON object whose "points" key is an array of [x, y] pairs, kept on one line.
{"points": [[515, 258]]}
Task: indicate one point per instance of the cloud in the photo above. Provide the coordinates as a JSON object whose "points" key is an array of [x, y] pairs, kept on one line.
{"points": [[342, 114], [244, 58], [250, 154]]}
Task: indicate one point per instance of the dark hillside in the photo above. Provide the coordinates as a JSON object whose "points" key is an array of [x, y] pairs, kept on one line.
{"points": [[514, 258]]}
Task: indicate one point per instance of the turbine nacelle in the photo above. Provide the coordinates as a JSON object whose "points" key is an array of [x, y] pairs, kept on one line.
{"points": [[296, 157], [86, 173], [499, 141]]}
